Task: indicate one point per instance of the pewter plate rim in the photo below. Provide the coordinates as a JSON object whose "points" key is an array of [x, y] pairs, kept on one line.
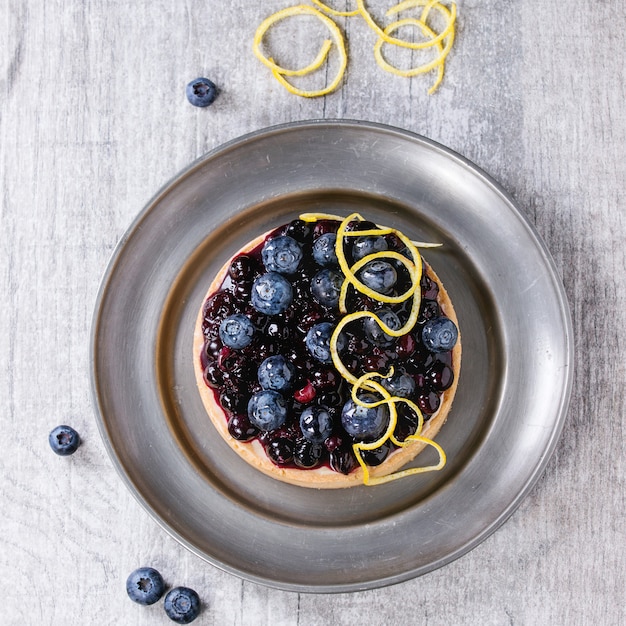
{"points": [[127, 457]]}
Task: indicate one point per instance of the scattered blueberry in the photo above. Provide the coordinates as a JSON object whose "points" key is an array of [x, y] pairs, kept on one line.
{"points": [[439, 334], [267, 410], [375, 333], [364, 422], [318, 341], [370, 244], [400, 384], [379, 276], [236, 331], [64, 440], [282, 254], [145, 586], [324, 250], [316, 423], [271, 293], [182, 605], [326, 287], [201, 92], [276, 373]]}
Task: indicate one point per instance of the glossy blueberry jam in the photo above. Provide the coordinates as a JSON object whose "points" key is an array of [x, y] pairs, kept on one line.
{"points": [[306, 383]]}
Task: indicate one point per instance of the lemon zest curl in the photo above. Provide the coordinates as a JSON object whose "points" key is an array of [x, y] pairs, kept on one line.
{"points": [[367, 382], [441, 42]]}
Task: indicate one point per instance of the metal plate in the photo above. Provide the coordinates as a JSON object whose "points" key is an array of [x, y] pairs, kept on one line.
{"points": [[514, 386]]}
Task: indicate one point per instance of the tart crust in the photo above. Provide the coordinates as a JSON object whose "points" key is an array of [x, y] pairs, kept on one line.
{"points": [[320, 477]]}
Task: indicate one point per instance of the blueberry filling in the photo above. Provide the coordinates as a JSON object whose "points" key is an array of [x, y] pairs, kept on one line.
{"points": [[275, 378]]}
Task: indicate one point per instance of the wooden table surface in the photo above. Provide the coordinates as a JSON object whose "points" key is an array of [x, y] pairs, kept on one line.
{"points": [[94, 120]]}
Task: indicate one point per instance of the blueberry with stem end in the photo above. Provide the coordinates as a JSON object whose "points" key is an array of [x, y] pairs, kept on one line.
{"points": [[379, 276], [364, 422], [276, 373], [318, 341], [326, 287], [236, 331], [439, 334], [201, 92], [271, 294], [324, 250], [182, 605], [267, 410], [145, 586], [366, 245], [64, 440], [281, 254]]}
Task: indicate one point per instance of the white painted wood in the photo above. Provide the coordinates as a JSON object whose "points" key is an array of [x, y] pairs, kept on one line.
{"points": [[93, 120]]}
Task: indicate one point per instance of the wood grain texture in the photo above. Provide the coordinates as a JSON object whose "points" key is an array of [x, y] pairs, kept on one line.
{"points": [[93, 121]]}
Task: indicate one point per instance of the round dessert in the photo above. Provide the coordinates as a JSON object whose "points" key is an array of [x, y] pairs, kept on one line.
{"points": [[327, 353]]}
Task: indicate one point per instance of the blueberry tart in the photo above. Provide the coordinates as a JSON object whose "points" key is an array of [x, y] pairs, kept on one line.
{"points": [[327, 353]]}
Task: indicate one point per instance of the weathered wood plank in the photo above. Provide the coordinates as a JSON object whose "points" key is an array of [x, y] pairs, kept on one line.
{"points": [[93, 120]]}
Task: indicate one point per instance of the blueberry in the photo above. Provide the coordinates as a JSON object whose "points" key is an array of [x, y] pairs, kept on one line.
{"points": [[379, 276], [318, 341], [276, 373], [280, 450], [271, 294], [241, 268], [282, 254], [300, 231], [182, 605], [377, 456], [307, 454], [375, 333], [370, 244], [64, 440], [326, 287], [236, 331], [316, 423], [267, 410], [201, 92], [439, 334], [145, 586], [364, 422], [324, 250], [400, 384]]}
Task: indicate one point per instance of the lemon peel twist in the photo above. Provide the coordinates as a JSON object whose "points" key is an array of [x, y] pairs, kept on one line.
{"points": [[332, 11], [280, 72], [391, 401], [367, 381], [449, 15], [435, 40], [441, 42]]}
